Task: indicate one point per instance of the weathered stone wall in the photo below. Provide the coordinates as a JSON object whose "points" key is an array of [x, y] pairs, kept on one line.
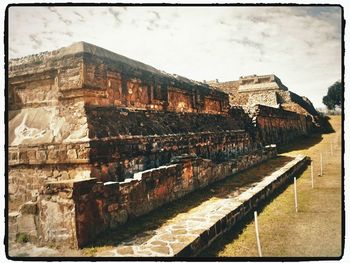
{"points": [[279, 126], [27, 182], [268, 98], [119, 159], [90, 207], [268, 90], [128, 83], [260, 83], [124, 142], [54, 123], [147, 190]]}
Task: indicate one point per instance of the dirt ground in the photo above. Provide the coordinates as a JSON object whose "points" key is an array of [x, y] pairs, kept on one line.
{"points": [[316, 229]]}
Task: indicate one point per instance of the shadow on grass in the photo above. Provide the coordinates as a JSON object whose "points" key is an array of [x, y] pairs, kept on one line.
{"points": [[213, 250], [307, 141], [325, 124], [302, 143], [143, 227]]}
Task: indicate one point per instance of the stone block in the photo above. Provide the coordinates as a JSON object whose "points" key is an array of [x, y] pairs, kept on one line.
{"points": [[30, 208], [32, 154], [23, 157], [64, 175], [83, 153], [52, 155], [113, 207], [110, 189], [27, 225], [13, 225], [126, 250], [14, 156], [67, 194], [12, 217], [118, 218], [72, 154], [41, 155]]}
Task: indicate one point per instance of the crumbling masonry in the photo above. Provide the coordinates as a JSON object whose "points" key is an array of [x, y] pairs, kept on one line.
{"points": [[97, 139]]}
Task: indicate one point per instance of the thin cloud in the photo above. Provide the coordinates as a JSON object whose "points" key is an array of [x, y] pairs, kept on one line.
{"points": [[60, 16], [310, 44], [49, 38], [259, 19], [13, 50], [332, 36], [265, 34], [249, 43], [81, 18], [153, 22], [68, 33], [115, 14], [156, 14], [45, 22], [36, 40], [222, 22]]}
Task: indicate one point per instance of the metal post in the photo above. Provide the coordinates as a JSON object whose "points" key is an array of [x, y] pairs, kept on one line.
{"points": [[312, 174], [321, 164], [295, 195], [257, 233]]}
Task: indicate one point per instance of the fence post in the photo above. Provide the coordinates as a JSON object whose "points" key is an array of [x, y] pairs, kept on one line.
{"points": [[257, 233], [312, 174], [295, 195], [321, 164]]}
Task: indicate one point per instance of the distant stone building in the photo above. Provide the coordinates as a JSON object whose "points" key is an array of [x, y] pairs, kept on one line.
{"points": [[270, 105], [265, 90]]}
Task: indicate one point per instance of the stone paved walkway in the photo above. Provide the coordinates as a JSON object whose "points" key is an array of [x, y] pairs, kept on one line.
{"points": [[183, 229], [31, 250]]}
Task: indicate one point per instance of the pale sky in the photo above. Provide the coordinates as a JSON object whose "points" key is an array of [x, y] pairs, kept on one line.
{"points": [[301, 45]]}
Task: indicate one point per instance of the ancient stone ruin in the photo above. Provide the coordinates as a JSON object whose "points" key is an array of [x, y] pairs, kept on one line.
{"points": [[97, 139], [265, 90], [271, 106]]}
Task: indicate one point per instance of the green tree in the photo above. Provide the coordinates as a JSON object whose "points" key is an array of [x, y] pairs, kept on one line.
{"points": [[334, 96]]}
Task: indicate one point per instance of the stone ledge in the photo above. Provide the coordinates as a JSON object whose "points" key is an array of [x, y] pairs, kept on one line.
{"points": [[70, 185], [196, 230]]}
